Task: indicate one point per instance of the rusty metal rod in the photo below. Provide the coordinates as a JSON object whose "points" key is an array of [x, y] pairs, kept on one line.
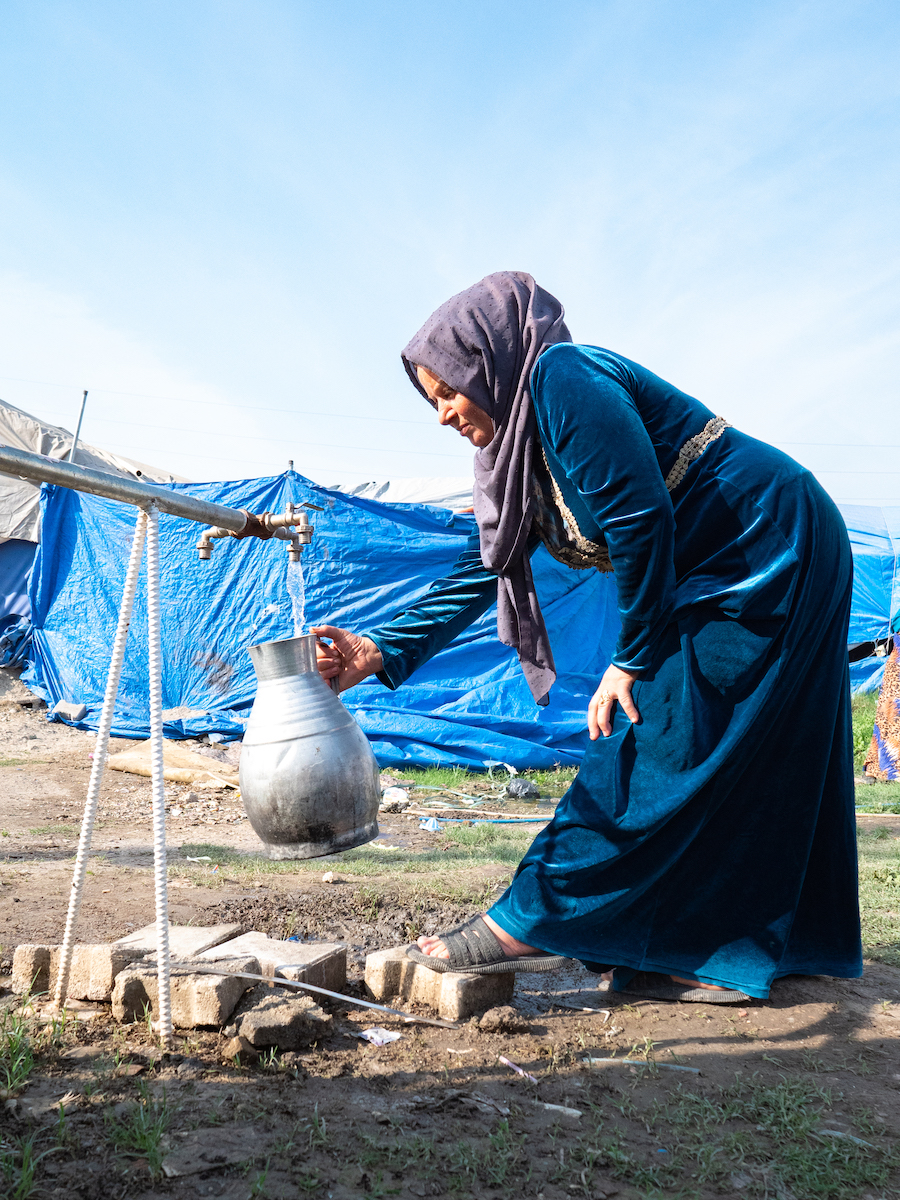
{"points": [[352, 1001]]}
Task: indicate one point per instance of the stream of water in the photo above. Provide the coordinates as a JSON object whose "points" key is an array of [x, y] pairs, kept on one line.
{"points": [[297, 593]]}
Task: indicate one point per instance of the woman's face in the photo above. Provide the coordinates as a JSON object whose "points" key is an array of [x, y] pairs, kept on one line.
{"points": [[456, 410]]}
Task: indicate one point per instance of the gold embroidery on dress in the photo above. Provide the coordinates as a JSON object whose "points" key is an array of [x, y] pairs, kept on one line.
{"points": [[556, 523]]}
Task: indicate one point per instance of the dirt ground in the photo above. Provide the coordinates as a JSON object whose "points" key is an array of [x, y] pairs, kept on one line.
{"points": [[795, 1097]]}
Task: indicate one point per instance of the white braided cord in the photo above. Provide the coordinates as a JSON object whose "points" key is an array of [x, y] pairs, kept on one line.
{"points": [[101, 748], [157, 779]]}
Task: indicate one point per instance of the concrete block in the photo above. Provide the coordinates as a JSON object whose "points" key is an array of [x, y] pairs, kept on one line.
{"points": [[31, 969], [197, 1000], [453, 995], [288, 1022], [91, 976], [71, 710], [323, 964], [184, 940], [94, 970]]}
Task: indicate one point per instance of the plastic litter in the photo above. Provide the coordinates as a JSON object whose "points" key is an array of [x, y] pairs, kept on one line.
{"points": [[378, 1036], [199, 858], [394, 799], [522, 789], [431, 824], [639, 1062], [518, 1070], [490, 763], [839, 1133], [328, 877], [560, 1108]]}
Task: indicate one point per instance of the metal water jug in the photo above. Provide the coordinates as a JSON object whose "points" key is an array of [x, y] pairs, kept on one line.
{"points": [[309, 780]]}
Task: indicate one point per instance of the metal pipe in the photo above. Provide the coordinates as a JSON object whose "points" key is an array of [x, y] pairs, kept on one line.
{"points": [[41, 469], [71, 457]]}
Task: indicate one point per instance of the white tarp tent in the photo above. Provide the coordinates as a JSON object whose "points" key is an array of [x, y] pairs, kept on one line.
{"points": [[447, 491], [20, 516]]}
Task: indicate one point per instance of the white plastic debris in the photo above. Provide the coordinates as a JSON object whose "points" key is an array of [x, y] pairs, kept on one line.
{"points": [[378, 1036], [560, 1108], [394, 799], [518, 1070], [328, 877]]}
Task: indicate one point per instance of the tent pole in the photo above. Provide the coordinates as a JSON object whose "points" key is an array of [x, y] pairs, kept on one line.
{"points": [[71, 457]]}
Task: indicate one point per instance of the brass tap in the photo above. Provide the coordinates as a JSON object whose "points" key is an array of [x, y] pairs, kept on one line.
{"points": [[292, 526]]}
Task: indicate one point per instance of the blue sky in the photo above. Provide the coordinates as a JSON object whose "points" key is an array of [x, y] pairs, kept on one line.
{"points": [[225, 219]]}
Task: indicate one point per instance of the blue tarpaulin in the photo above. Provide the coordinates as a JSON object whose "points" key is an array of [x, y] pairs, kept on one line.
{"points": [[875, 610], [367, 560]]}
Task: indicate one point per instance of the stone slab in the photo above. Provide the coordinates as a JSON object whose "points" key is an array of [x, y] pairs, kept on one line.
{"points": [[184, 940], [323, 964], [286, 1022], [198, 1000], [454, 996], [91, 976]]}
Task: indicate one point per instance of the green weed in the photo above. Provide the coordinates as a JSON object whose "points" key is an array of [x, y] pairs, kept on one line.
{"points": [[139, 1132], [18, 1165], [16, 1051]]}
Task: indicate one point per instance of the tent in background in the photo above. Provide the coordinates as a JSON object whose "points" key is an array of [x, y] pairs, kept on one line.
{"points": [[875, 609], [467, 705], [20, 521], [446, 491]]}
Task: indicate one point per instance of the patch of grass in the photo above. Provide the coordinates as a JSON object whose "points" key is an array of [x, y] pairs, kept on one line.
{"points": [[756, 1135], [18, 1164], [63, 830], [879, 893], [878, 798], [139, 1131], [459, 848], [16, 1051], [550, 782], [863, 707], [15, 762]]}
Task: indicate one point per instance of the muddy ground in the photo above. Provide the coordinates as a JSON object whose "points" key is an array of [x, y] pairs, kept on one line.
{"points": [[795, 1097]]}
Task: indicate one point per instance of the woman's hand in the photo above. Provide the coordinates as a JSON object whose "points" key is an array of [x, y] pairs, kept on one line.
{"points": [[615, 687], [348, 659]]}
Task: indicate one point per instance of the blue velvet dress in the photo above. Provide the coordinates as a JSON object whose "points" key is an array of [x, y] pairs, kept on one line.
{"points": [[716, 839]]}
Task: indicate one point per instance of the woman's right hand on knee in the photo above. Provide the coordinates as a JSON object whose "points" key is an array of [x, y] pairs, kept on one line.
{"points": [[348, 658]]}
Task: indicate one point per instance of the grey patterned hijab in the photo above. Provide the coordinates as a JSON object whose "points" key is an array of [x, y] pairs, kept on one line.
{"points": [[484, 343]]}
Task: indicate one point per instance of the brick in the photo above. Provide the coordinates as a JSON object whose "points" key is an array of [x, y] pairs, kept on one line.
{"points": [[184, 940], [198, 1000], [454, 996], [71, 710], [288, 1022], [31, 969], [323, 964], [91, 976]]}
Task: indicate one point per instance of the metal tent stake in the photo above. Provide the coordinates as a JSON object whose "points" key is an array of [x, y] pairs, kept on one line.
{"points": [[147, 528]]}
